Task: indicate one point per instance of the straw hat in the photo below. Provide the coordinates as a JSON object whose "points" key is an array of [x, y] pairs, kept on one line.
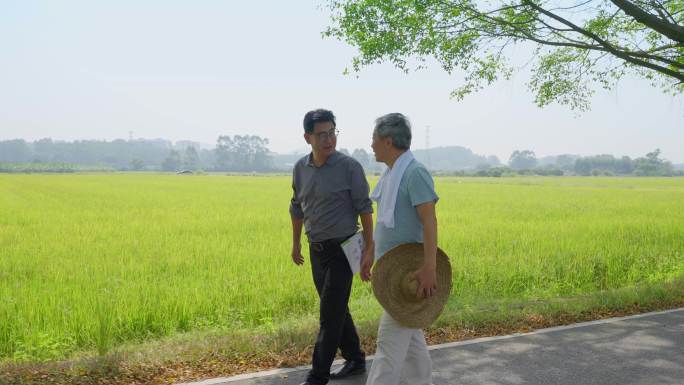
{"points": [[395, 289]]}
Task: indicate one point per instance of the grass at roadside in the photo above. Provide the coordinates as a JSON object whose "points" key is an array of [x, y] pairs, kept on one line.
{"points": [[193, 357]]}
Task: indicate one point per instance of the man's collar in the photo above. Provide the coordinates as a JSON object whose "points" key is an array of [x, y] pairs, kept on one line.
{"points": [[332, 159], [405, 154]]}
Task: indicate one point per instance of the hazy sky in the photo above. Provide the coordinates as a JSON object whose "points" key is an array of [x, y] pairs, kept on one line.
{"points": [[199, 69]]}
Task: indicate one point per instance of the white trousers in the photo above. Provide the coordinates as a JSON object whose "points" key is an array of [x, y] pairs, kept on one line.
{"points": [[402, 356]]}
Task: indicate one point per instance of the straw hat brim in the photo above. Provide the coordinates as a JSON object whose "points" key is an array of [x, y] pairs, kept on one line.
{"points": [[396, 290]]}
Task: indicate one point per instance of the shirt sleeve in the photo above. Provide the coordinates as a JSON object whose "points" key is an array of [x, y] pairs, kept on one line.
{"points": [[295, 206], [421, 187], [359, 189]]}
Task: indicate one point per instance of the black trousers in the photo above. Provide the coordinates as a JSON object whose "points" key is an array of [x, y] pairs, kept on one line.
{"points": [[333, 279]]}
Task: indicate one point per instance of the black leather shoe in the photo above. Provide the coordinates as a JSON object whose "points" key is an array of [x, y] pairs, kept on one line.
{"points": [[350, 368]]}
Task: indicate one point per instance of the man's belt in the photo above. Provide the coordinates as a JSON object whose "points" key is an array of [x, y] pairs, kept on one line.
{"points": [[328, 243]]}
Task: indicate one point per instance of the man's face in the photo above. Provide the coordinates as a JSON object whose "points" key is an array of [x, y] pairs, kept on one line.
{"points": [[323, 139], [379, 147]]}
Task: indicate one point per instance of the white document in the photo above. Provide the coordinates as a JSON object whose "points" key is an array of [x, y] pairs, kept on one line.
{"points": [[353, 249]]}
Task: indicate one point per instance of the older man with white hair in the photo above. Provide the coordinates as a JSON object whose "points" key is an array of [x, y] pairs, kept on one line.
{"points": [[405, 214]]}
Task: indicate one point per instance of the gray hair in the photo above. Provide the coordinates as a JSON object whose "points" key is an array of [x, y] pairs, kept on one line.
{"points": [[395, 126]]}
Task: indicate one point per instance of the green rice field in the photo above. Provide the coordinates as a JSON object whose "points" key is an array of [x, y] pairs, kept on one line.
{"points": [[90, 262]]}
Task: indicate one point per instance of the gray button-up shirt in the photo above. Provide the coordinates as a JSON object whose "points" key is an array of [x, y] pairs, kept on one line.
{"points": [[329, 198]]}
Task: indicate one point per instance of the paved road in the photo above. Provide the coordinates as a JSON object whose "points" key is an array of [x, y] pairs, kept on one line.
{"points": [[646, 349]]}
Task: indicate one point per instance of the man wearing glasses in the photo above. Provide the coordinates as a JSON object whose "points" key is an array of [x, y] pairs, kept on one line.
{"points": [[330, 192]]}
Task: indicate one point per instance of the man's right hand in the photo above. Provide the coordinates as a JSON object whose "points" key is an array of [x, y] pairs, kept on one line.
{"points": [[297, 257], [367, 262]]}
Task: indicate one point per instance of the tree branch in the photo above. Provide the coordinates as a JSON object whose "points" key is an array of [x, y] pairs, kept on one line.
{"points": [[664, 47], [608, 46], [671, 62], [578, 44], [664, 13], [572, 7], [673, 31]]}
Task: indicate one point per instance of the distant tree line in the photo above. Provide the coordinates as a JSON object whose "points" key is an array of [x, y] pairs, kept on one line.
{"points": [[250, 153], [51, 167], [366, 159], [454, 158], [243, 153], [238, 153], [649, 165], [524, 162], [118, 154]]}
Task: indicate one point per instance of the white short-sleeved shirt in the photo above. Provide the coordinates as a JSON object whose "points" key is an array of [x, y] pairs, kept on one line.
{"points": [[416, 187]]}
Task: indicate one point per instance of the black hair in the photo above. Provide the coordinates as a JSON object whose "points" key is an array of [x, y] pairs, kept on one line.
{"points": [[317, 116]]}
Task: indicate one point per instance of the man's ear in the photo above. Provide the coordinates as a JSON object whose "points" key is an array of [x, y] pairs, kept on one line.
{"points": [[389, 141], [307, 137]]}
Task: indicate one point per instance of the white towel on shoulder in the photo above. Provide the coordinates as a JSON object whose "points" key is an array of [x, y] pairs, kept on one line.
{"points": [[385, 192]]}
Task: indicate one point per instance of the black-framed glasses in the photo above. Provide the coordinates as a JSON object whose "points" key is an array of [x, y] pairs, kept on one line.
{"points": [[325, 135]]}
